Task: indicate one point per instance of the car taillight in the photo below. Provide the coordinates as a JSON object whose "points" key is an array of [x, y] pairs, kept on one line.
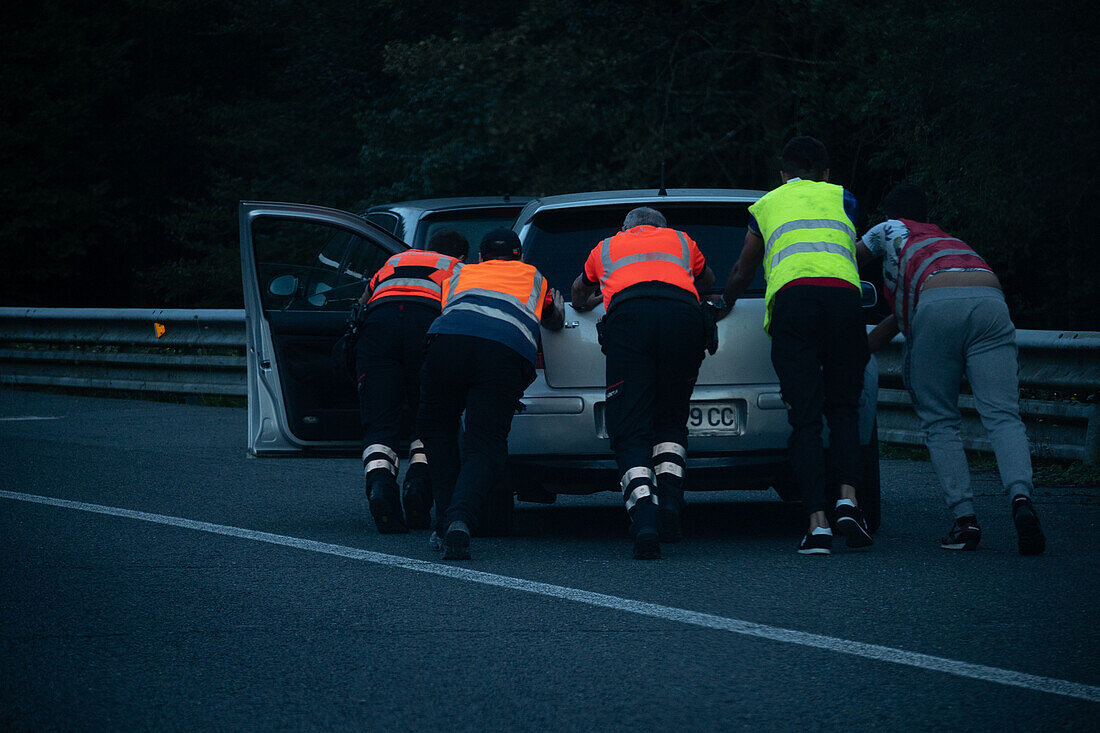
{"points": [[540, 363]]}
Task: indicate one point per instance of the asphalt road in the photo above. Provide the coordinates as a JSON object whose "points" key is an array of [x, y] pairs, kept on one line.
{"points": [[287, 611]]}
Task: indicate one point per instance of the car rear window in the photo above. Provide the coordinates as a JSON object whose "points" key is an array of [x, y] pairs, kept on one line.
{"points": [[559, 240], [471, 223]]}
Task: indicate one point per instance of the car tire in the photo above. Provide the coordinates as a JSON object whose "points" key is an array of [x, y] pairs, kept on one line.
{"points": [[497, 517], [869, 495]]}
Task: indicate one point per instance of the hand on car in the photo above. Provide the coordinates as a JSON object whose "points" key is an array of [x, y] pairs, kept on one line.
{"points": [[591, 301], [722, 308]]}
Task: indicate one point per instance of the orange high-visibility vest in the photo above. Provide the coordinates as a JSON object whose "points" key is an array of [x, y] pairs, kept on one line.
{"points": [[645, 254], [412, 274], [499, 300]]}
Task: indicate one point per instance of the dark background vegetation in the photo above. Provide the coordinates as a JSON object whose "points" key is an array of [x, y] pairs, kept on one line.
{"points": [[130, 130]]}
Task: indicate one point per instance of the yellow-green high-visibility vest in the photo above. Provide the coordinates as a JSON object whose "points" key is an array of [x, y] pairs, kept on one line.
{"points": [[806, 233]]}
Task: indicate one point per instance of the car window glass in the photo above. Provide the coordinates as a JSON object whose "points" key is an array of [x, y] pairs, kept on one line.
{"points": [[318, 266], [558, 241], [471, 224], [385, 221]]}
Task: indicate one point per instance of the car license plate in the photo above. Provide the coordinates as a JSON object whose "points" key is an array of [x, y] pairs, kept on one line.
{"points": [[714, 418]]}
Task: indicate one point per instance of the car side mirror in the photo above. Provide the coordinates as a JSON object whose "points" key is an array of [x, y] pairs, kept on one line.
{"points": [[283, 285], [868, 294]]}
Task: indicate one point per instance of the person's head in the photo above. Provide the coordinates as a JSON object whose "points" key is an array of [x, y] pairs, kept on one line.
{"points": [[804, 157], [501, 244], [644, 216], [449, 242], [906, 201]]}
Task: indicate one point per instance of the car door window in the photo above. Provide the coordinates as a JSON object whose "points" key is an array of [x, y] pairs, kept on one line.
{"points": [[305, 265]]}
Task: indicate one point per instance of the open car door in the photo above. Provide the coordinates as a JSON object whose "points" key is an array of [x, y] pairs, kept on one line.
{"points": [[303, 268]]}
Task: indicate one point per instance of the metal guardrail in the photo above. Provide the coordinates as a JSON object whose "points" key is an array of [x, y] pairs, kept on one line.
{"points": [[122, 349]]}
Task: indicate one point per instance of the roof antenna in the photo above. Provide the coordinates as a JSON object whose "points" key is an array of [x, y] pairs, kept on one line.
{"points": [[663, 191]]}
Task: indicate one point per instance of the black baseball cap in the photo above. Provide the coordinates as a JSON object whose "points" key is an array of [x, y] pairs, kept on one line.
{"points": [[501, 243]]}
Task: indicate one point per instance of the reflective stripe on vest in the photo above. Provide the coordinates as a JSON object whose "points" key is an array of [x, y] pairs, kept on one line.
{"points": [[927, 244], [521, 309], [610, 265], [653, 254], [806, 233], [393, 278]]}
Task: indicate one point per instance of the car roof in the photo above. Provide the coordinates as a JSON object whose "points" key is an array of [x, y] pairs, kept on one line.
{"points": [[450, 204], [636, 196]]}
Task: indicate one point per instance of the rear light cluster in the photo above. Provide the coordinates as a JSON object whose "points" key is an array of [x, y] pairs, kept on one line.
{"points": [[540, 363]]}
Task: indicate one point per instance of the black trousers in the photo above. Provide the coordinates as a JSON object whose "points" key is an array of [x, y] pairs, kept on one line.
{"points": [[819, 351], [388, 357], [485, 379], [654, 347]]}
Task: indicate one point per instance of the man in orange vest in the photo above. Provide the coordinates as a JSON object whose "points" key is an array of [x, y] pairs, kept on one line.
{"points": [[402, 300], [949, 304], [653, 336], [480, 358]]}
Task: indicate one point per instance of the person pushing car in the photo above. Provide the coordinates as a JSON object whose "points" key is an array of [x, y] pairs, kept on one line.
{"points": [[653, 336], [402, 300], [949, 304], [480, 358], [804, 233]]}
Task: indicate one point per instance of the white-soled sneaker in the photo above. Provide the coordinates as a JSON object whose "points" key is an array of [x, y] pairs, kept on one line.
{"points": [[850, 524], [818, 542]]}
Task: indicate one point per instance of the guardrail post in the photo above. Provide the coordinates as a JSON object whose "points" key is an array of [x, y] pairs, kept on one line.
{"points": [[1092, 437]]}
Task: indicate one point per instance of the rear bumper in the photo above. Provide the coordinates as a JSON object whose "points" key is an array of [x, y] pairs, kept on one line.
{"points": [[589, 474]]}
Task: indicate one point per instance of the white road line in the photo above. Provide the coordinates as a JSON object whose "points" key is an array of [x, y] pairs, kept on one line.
{"points": [[982, 672], [28, 417]]}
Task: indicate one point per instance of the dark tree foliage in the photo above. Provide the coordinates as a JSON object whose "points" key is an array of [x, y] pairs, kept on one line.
{"points": [[131, 129]]}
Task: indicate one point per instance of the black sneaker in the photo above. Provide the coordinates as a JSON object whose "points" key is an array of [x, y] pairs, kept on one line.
{"points": [[434, 542], [815, 544], [386, 509], [965, 534], [1029, 535], [671, 528], [418, 508], [850, 523], [456, 543]]}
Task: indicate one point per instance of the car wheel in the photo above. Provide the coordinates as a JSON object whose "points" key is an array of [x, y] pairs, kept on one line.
{"points": [[869, 495], [497, 518]]}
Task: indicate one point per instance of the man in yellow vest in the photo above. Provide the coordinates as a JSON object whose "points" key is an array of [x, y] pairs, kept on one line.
{"points": [[804, 233], [481, 357]]}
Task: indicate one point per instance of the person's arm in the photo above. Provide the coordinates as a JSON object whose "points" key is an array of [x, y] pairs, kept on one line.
{"points": [[743, 271], [863, 254], [704, 280], [553, 313], [882, 333]]}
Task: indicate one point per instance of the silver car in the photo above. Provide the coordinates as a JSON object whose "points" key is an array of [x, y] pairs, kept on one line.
{"points": [[558, 443], [737, 423]]}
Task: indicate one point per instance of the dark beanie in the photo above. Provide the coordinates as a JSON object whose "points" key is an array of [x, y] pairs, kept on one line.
{"points": [[500, 244]]}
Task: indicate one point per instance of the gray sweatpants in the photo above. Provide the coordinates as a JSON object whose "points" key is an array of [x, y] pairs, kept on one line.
{"points": [[967, 330]]}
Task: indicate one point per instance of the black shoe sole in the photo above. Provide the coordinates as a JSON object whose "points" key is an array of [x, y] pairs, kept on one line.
{"points": [[671, 529], [968, 545], [418, 513], [854, 534], [1029, 536], [456, 546], [647, 545], [386, 519]]}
